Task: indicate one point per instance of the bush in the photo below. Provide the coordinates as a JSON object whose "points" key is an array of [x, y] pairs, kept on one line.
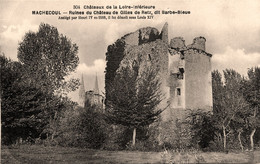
{"points": [[114, 138], [202, 128], [215, 145], [175, 135], [80, 127]]}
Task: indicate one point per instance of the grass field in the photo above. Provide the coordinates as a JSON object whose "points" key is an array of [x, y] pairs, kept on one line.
{"points": [[40, 154]]}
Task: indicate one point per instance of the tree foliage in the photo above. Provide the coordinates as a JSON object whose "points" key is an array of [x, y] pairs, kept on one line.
{"points": [[31, 87], [133, 97], [228, 101], [80, 127], [48, 57], [251, 92], [236, 104]]}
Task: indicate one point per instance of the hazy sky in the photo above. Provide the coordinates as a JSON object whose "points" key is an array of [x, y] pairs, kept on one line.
{"points": [[232, 30]]}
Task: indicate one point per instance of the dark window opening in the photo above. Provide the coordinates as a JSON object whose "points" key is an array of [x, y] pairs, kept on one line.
{"points": [[181, 70], [149, 57], [180, 75], [178, 91]]}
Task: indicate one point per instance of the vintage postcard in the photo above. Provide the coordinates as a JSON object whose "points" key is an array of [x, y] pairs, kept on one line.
{"points": [[138, 81]]}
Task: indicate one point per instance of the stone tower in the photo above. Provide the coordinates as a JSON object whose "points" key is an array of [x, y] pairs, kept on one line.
{"points": [[82, 93], [184, 71], [189, 79]]}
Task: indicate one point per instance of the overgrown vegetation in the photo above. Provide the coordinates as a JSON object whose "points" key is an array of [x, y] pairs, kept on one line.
{"points": [[80, 127], [236, 106]]}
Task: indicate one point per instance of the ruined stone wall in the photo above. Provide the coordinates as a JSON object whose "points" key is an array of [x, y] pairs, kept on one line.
{"points": [[120, 49], [152, 54]]}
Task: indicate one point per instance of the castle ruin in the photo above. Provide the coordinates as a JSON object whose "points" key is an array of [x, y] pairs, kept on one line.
{"points": [[184, 71]]}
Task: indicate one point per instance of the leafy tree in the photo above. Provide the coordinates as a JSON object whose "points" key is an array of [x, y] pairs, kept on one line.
{"points": [[48, 57], [228, 101], [25, 109], [252, 95], [51, 130], [133, 97], [9, 73], [33, 88], [20, 108]]}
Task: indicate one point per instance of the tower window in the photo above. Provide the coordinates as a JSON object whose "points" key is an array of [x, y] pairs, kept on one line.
{"points": [[179, 96], [149, 57], [178, 91]]}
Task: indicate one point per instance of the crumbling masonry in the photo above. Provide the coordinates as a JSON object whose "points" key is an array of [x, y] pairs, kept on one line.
{"points": [[184, 71]]}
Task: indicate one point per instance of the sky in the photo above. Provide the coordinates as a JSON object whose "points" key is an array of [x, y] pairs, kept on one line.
{"points": [[231, 28]]}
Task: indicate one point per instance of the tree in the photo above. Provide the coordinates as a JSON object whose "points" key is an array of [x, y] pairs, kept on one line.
{"points": [[9, 71], [252, 95], [228, 100], [33, 88], [48, 57], [133, 97], [21, 105]]}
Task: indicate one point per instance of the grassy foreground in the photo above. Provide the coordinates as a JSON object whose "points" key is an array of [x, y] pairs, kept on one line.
{"points": [[41, 154]]}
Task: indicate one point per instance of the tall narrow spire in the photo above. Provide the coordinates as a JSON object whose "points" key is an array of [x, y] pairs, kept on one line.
{"points": [[82, 92], [96, 89]]}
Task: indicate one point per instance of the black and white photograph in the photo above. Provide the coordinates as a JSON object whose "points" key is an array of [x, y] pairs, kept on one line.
{"points": [[138, 81]]}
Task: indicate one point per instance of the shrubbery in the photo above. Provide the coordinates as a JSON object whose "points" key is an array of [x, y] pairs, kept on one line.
{"points": [[81, 127]]}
